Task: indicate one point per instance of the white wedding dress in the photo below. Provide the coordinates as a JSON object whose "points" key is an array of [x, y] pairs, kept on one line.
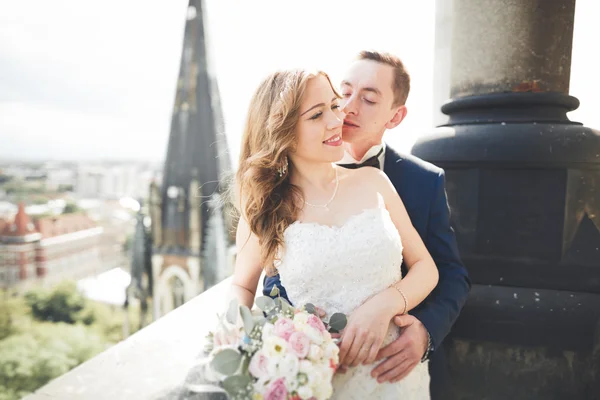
{"points": [[338, 269]]}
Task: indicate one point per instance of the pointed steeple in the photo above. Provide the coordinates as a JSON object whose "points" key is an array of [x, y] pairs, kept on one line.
{"points": [[197, 142]]}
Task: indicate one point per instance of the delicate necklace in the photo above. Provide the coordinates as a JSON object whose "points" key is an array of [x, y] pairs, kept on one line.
{"points": [[326, 205]]}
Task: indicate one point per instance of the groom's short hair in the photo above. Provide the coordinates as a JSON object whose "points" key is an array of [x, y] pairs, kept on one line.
{"points": [[401, 84]]}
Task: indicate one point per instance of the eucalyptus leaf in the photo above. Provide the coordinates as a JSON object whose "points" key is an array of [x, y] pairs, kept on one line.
{"points": [[247, 318], [282, 303], [226, 362], [259, 320], [310, 308], [245, 365], [236, 384], [273, 312], [286, 306], [232, 312], [338, 322], [274, 291], [265, 303]]}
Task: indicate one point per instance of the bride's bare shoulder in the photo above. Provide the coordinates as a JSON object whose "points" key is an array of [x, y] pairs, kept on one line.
{"points": [[366, 175]]}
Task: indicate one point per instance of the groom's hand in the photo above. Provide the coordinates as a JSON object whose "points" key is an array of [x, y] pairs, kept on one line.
{"points": [[404, 353]]}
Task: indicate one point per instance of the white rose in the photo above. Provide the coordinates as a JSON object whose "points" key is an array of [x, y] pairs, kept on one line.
{"points": [[305, 392], [327, 375], [315, 353], [332, 351], [288, 369], [300, 321], [273, 368], [323, 390], [261, 385], [308, 369]]}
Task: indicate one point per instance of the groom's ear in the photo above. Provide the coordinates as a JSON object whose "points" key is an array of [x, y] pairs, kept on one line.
{"points": [[399, 115]]}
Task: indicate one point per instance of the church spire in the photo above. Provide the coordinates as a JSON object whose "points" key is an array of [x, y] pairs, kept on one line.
{"points": [[197, 144], [183, 261]]}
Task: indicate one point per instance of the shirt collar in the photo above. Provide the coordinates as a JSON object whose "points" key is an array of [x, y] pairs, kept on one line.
{"points": [[373, 151]]}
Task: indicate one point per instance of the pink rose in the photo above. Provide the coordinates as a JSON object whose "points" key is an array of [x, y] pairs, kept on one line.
{"points": [[276, 390], [258, 365], [284, 327], [300, 344], [316, 323]]}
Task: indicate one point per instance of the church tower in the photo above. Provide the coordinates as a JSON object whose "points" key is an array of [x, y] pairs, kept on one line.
{"points": [[189, 251]]}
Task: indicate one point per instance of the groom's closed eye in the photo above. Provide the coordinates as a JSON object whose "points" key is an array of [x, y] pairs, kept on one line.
{"points": [[346, 95]]}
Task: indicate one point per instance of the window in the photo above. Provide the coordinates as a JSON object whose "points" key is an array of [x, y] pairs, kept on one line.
{"points": [[177, 291]]}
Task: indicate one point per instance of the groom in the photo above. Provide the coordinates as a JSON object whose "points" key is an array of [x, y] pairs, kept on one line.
{"points": [[375, 90]]}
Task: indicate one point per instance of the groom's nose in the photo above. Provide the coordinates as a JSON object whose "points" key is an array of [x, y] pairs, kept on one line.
{"points": [[350, 106]]}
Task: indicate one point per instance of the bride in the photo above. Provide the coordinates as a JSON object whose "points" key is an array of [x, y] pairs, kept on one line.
{"points": [[337, 237]]}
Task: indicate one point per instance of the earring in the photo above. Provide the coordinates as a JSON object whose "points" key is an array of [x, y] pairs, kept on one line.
{"points": [[283, 169]]}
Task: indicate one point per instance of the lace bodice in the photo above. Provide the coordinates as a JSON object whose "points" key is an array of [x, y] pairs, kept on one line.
{"points": [[338, 269]]}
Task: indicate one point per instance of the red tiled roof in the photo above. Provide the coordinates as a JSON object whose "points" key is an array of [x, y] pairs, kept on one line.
{"points": [[21, 225], [63, 224]]}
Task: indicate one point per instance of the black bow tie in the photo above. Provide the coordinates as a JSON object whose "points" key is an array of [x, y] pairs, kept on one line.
{"points": [[369, 162]]}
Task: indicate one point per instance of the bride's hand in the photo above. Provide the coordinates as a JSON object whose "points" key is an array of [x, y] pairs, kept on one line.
{"points": [[364, 333]]}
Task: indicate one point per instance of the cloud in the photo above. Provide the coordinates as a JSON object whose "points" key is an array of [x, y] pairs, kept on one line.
{"points": [[75, 135], [88, 79]]}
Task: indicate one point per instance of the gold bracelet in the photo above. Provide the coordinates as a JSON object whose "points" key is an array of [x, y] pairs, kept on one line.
{"points": [[404, 297]]}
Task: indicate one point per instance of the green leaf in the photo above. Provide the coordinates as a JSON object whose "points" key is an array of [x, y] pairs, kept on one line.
{"points": [[265, 303], [338, 322], [245, 364], [282, 303], [226, 362], [247, 318], [232, 312], [274, 311], [235, 384], [274, 291], [286, 306], [310, 308]]}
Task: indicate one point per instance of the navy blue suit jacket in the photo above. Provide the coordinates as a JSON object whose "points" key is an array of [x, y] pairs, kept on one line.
{"points": [[422, 189]]}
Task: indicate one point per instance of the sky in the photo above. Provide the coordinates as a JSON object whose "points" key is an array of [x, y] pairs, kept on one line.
{"points": [[83, 80]]}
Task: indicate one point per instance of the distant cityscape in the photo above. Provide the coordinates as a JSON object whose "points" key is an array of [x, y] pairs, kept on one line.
{"points": [[69, 220]]}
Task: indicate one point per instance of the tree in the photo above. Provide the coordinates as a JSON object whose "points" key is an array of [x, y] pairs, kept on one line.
{"points": [[63, 304], [30, 360], [6, 321], [13, 315], [71, 208], [35, 349]]}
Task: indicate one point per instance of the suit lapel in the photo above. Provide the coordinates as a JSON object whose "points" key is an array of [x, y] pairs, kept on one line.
{"points": [[392, 165]]}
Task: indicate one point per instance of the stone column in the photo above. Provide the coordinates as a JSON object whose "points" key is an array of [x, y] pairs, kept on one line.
{"points": [[511, 45], [523, 183], [443, 58]]}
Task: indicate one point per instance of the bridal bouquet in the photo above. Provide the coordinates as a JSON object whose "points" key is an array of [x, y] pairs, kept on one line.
{"points": [[280, 353]]}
